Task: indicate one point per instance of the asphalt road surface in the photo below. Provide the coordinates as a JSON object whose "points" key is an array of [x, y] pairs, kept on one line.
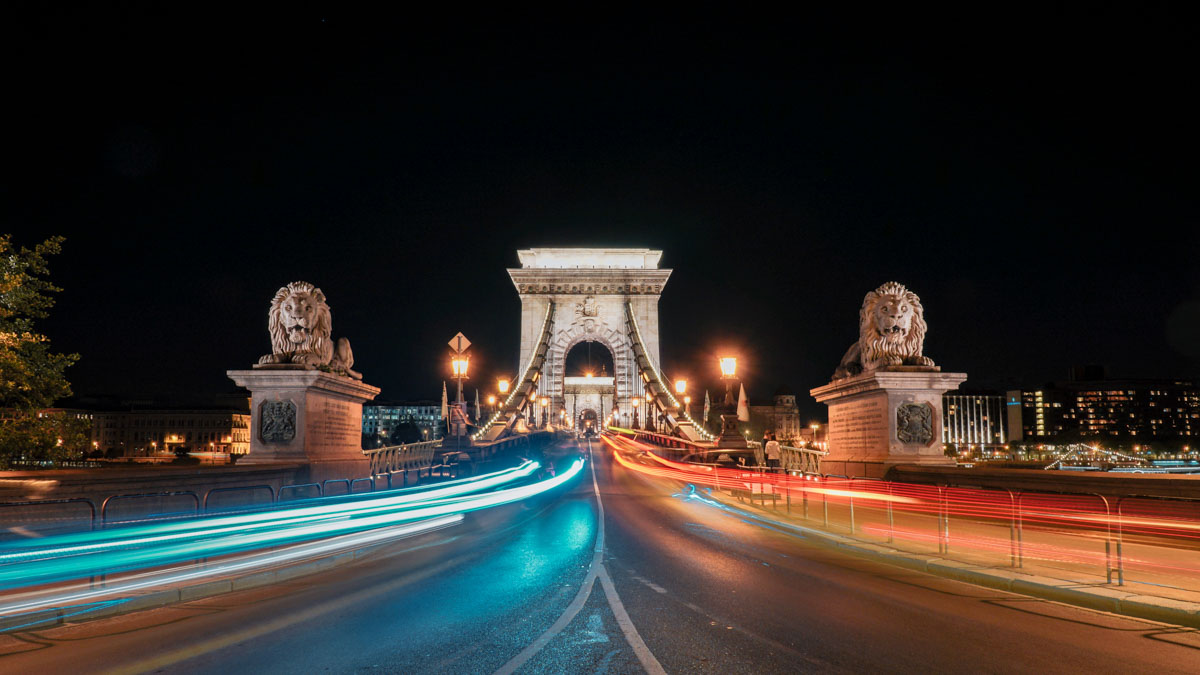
{"points": [[677, 586]]}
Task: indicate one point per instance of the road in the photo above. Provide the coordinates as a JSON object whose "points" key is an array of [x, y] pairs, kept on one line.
{"points": [[678, 585]]}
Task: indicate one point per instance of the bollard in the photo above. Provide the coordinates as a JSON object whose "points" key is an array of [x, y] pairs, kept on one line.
{"points": [[891, 518]]}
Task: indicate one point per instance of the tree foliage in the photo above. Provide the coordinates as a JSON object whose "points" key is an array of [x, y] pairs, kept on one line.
{"points": [[31, 375]]}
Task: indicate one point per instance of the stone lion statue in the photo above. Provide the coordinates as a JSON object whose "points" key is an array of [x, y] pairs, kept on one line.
{"points": [[891, 332], [299, 322]]}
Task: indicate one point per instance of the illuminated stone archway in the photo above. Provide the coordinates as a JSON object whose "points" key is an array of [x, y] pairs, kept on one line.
{"points": [[590, 288]]}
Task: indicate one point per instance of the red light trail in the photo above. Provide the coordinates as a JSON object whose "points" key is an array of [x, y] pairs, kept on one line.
{"points": [[1155, 540]]}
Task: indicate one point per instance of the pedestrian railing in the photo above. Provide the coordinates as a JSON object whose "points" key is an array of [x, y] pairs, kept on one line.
{"points": [[403, 458], [1121, 540]]}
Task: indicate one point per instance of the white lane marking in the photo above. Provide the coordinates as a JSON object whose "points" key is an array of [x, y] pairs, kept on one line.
{"points": [[572, 610], [643, 652], [595, 571], [655, 587]]}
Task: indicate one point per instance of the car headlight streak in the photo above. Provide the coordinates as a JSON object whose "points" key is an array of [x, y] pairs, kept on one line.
{"points": [[104, 552]]}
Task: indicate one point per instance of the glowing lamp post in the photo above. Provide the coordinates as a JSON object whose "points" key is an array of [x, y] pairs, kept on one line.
{"points": [[687, 405], [545, 404], [635, 403], [729, 374], [459, 364], [815, 427], [729, 438]]}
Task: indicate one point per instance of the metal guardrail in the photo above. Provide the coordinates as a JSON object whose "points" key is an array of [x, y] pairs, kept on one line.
{"points": [[40, 503], [801, 460], [240, 489], [659, 439], [152, 495], [791, 459], [402, 458], [385, 462], [870, 507]]}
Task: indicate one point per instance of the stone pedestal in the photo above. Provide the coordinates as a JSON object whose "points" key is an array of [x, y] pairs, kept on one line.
{"points": [[730, 436], [883, 418], [302, 416]]}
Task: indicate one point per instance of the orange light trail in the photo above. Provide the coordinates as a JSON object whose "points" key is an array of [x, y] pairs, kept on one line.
{"points": [[1159, 536]]}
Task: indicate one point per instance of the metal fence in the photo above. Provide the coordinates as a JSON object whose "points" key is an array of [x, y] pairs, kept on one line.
{"points": [[403, 458], [1131, 539]]}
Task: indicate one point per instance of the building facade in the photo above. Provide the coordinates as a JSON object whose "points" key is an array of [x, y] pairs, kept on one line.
{"points": [[144, 433], [781, 417], [1123, 410], [977, 420], [381, 420]]}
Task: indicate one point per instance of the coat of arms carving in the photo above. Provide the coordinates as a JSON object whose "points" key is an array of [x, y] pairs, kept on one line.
{"points": [[914, 423], [587, 307], [277, 421]]}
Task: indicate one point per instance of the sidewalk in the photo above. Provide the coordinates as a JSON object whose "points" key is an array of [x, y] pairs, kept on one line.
{"points": [[1061, 581]]}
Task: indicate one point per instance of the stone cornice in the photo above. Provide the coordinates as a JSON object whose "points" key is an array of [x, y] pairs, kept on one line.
{"points": [[889, 381], [291, 377], [589, 281]]}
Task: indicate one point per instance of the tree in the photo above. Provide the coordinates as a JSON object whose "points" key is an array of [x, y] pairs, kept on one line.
{"points": [[31, 376]]}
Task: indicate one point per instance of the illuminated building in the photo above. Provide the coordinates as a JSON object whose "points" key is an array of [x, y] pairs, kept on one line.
{"points": [[381, 420], [131, 433], [782, 417], [1125, 409], [975, 420]]}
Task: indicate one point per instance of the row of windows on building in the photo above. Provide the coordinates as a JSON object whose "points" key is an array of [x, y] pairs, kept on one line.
{"points": [[1143, 409], [132, 433], [382, 421], [1113, 410]]}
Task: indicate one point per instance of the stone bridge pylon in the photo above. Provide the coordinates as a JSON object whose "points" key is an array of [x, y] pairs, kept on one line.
{"points": [[606, 296]]}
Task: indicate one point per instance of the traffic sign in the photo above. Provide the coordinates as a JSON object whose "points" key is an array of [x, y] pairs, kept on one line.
{"points": [[459, 343]]}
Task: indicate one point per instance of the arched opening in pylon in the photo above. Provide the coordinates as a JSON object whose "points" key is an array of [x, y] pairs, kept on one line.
{"points": [[589, 357]]}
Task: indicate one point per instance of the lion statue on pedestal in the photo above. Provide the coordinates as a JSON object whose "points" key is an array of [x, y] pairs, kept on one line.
{"points": [[300, 324], [892, 329]]}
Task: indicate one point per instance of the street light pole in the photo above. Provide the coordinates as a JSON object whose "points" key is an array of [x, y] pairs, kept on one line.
{"points": [[729, 438], [459, 364]]}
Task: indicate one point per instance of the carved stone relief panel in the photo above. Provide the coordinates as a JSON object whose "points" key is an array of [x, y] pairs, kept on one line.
{"points": [[277, 421], [914, 423]]}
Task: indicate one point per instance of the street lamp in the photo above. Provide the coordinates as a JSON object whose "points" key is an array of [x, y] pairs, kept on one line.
{"points": [[728, 373], [460, 362], [545, 404], [458, 366], [635, 403], [649, 412], [687, 406], [729, 438], [814, 426], [502, 386]]}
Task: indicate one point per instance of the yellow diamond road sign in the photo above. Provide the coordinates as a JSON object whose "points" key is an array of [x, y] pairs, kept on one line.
{"points": [[459, 343]]}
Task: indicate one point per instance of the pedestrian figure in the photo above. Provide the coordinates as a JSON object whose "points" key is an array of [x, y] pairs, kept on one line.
{"points": [[771, 449]]}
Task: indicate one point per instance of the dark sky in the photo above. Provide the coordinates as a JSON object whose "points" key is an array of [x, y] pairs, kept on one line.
{"points": [[1031, 176]]}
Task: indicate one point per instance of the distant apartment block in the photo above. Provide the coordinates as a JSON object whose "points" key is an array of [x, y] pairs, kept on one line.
{"points": [[1124, 409], [380, 420]]}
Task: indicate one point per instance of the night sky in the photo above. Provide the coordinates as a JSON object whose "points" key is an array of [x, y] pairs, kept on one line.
{"points": [[1032, 177]]}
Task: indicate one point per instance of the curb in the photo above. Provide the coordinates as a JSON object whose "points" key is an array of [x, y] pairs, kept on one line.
{"points": [[204, 589], [1165, 610]]}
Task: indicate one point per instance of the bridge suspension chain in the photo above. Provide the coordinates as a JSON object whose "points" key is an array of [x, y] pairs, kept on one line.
{"points": [[667, 404], [523, 390]]}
